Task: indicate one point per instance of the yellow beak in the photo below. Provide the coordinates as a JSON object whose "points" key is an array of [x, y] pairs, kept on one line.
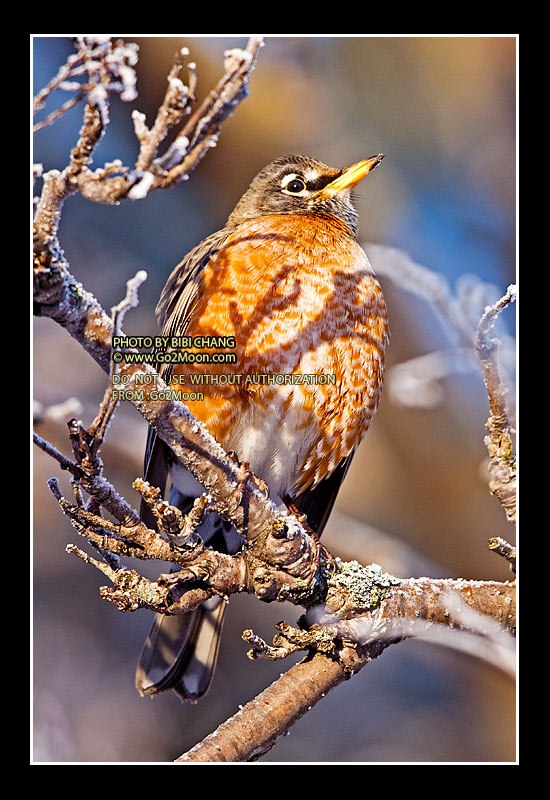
{"points": [[350, 177]]}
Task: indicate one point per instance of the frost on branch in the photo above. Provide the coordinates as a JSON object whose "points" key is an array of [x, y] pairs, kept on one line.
{"points": [[101, 67]]}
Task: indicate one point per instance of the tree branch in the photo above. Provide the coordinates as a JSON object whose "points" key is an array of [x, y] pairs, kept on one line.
{"points": [[502, 462], [107, 63], [420, 608]]}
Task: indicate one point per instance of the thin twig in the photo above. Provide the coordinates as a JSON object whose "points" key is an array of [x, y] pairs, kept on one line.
{"points": [[111, 68], [63, 461], [55, 115], [175, 105], [502, 465], [500, 546]]}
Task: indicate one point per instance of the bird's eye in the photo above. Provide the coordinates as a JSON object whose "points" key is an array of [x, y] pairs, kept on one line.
{"points": [[293, 184]]}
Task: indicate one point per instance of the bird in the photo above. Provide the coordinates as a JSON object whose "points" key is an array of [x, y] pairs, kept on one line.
{"points": [[291, 296]]}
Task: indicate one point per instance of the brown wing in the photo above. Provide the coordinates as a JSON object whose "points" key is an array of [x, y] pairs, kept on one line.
{"points": [[174, 310], [182, 288]]}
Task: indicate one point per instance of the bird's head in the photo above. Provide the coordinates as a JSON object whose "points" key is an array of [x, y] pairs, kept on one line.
{"points": [[303, 185]]}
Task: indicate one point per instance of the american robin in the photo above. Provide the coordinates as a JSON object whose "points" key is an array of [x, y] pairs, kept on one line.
{"points": [[288, 286]]}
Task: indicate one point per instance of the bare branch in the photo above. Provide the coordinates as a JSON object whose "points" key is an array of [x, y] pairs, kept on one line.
{"points": [[131, 591], [502, 464], [55, 115], [504, 549], [64, 463], [180, 529], [202, 130], [176, 104], [110, 67], [422, 608], [250, 733], [487, 351], [99, 426], [105, 66]]}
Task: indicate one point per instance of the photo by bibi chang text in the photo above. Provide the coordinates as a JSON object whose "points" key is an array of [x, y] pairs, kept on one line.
{"points": [[174, 349], [164, 342]]}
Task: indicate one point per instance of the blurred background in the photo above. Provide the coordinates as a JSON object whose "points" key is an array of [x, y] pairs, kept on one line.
{"points": [[443, 111]]}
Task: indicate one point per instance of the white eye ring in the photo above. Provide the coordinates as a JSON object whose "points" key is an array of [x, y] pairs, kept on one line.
{"points": [[288, 179]]}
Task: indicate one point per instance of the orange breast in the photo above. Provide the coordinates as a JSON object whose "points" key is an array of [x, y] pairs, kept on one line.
{"points": [[309, 323]]}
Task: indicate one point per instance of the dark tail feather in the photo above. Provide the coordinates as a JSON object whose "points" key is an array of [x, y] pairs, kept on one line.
{"points": [[155, 472], [181, 651], [317, 503]]}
